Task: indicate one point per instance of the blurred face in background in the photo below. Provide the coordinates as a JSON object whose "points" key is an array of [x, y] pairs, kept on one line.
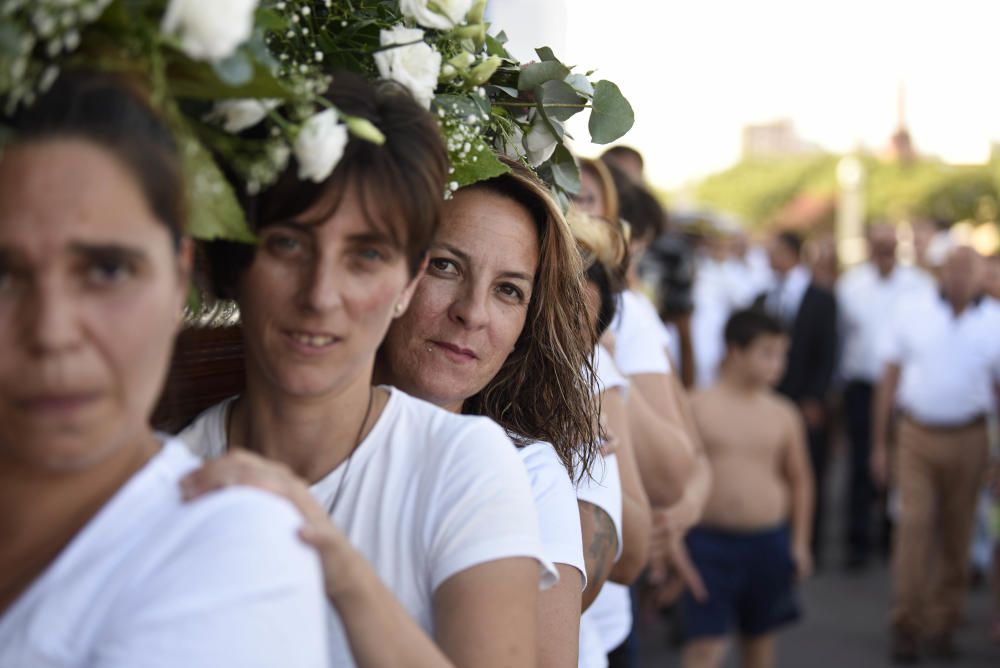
{"points": [[590, 199], [961, 276], [991, 277], [882, 248], [762, 362], [783, 259]]}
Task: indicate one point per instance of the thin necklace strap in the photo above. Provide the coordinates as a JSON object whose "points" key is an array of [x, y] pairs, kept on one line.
{"points": [[354, 448]]}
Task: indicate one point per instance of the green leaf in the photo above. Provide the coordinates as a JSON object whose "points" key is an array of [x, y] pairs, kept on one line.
{"points": [[480, 164], [536, 74], [494, 47], [545, 54], [565, 173], [558, 93], [236, 70], [194, 80], [271, 20], [581, 85], [215, 213], [510, 92], [612, 115]]}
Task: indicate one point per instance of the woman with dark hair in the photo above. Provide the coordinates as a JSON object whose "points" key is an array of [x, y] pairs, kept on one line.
{"points": [[101, 563], [498, 327], [423, 519]]}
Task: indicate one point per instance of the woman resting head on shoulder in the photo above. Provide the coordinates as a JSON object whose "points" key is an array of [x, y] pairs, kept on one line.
{"points": [[423, 519], [498, 327], [101, 561]]}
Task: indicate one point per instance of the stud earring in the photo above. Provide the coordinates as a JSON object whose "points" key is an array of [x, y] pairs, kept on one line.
{"points": [[399, 310]]}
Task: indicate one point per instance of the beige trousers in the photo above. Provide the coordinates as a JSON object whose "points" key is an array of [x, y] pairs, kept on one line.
{"points": [[939, 475]]}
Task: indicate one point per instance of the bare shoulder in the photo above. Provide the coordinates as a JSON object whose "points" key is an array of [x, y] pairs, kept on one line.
{"points": [[781, 406]]}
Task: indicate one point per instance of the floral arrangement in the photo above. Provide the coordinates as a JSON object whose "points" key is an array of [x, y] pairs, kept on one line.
{"points": [[242, 80]]}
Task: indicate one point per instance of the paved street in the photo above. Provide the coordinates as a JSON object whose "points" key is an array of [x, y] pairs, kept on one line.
{"points": [[845, 626]]}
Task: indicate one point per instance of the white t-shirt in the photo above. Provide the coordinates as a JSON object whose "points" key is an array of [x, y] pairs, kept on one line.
{"points": [[642, 341], [152, 581], [558, 512], [608, 375], [948, 366], [427, 494], [604, 618], [603, 488]]}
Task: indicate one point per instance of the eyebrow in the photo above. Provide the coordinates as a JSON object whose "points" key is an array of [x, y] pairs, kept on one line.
{"points": [[464, 257], [109, 252]]}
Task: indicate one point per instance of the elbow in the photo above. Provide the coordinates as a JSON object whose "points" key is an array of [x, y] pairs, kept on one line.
{"points": [[673, 480], [633, 561]]}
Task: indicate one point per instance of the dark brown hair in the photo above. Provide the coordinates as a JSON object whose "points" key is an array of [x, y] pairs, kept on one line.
{"points": [[401, 182], [638, 207], [113, 112], [544, 390]]}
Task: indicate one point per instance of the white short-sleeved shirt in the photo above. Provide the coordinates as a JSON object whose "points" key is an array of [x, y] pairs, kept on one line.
{"points": [[603, 489], [221, 581], [427, 495], [608, 375], [864, 298], [949, 366], [555, 501], [642, 341]]}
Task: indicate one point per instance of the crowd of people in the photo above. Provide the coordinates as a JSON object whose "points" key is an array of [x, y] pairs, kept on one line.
{"points": [[901, 361], [464, 431]]}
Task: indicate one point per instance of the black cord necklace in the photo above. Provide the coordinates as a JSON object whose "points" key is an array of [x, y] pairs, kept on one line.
{"points": [[350, 456]]}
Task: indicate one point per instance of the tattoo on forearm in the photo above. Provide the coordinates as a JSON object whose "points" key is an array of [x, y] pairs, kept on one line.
{"points": [[603, 544]]}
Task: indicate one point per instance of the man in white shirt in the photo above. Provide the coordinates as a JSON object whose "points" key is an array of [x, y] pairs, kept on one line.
{"points": [[865, 295], [942, 374]]}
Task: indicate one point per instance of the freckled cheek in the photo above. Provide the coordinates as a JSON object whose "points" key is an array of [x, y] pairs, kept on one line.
{"points": [[371, 301], [507, 323], [428, 312]]}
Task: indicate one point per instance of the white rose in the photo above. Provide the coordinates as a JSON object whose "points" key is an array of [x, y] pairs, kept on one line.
{"points": [[238, 115], [320, 145], [445, 14], [209, 29], [416, 65], [540, 143]]}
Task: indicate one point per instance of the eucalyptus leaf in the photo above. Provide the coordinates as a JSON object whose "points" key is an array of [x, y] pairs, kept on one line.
{"points": [[558, 93], [581, 84], [565, 172], [545, 54], [536, 74], [509, 91], [494, 47], [612, 115]]}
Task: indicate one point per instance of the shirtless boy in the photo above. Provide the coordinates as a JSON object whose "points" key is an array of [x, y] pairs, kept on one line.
{"points": [[753, 540]]}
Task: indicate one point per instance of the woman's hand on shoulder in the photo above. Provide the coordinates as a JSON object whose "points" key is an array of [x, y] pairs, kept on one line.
{"points": [[240, 468]]}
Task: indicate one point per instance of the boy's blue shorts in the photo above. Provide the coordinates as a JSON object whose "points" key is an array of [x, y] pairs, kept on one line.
{"points": [[750, 580]]}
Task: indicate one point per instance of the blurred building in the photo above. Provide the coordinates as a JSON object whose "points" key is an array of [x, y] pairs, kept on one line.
{"points": [[777, 139], [900, 148]]}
